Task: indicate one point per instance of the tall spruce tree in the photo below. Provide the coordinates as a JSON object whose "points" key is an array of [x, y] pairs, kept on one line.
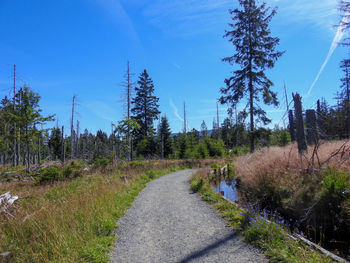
{"points": [[165, 140], [55, 143], [255, 52], [145, 106]]}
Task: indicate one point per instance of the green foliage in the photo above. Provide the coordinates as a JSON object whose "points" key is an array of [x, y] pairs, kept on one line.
{"points": [[255, 52], [49, 174], [101, 162], [165, 142], [196, 184], [55, 143], [202, 150], [230, 170], [216, 148], [335, 183], [151, 174]]}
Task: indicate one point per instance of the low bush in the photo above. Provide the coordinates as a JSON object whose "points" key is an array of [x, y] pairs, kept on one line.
{"points": [[151, 174], [49, 174], [196, 184]]}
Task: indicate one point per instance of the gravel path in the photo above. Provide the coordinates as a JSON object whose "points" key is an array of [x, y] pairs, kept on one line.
{"points": [[167, 223]]}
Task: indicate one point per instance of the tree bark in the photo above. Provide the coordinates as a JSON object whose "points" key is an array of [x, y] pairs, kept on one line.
{"points": [[291, 126], [311, 135], [299, 123]]}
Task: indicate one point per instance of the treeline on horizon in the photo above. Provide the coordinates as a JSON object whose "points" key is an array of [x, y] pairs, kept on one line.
{"points": [[144, 133], [23, 141]]}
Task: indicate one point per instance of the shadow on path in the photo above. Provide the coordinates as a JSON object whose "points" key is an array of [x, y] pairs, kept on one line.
{"points": [[200, 253]]}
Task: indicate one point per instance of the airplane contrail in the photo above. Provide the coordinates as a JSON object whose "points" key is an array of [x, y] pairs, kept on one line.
{"points": [[176, 112], [338, 36]]}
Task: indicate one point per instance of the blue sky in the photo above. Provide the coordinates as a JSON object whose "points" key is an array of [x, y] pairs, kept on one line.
{"points": [[81, 47]]}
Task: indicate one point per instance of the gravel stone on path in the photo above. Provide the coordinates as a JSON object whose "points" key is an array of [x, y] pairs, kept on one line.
{"points": [[168, 223]]}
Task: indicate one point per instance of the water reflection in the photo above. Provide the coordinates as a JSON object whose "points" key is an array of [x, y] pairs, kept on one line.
{"points": [[227, 187]]}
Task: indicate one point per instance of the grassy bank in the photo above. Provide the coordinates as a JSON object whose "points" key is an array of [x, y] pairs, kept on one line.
{"points": [[73, 220], [272, 237], [311, 191]]}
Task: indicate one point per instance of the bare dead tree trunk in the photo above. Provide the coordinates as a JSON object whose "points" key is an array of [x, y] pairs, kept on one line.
{"points": [[6, 142], [19, 137], [311, 135], [14, 162], [299, 123], [218, 120], [185, 124], [62, 149], [291, 126], [39, 146], [348, 101], [128, 84], [72, 131], [77, 140]]}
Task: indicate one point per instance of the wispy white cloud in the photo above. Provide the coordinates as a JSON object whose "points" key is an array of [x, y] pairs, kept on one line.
{"points": [[118, 13], [176, 65], [319, 13], [102, 110], [186, 17]]}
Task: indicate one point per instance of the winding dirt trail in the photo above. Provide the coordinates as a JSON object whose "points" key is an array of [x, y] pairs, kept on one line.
{"points": [[168, 223]]}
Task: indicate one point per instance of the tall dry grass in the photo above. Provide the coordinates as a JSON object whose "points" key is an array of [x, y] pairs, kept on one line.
{"points": [[285, 166], [73, 221]]}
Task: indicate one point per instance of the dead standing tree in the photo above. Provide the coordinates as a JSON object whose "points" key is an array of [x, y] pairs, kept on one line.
{"points": [[129, 89], [72, 130], [302, 147], [312, 134], [291, 126]]}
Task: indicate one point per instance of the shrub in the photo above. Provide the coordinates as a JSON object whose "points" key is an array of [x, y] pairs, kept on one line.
{"points": [[151, 174], [67, 171], [101, 162], [230, 170], [202, 150], [196, 184], [49, 174]]}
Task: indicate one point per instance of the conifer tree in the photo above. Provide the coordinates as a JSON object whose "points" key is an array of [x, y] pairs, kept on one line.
{"points": [[166, 142], [204, 129], [27, 115], [55, 143], [255, 52], [145, 106]]}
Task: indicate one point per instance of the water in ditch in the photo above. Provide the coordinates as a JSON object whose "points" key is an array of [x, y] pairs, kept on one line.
{"points": [[226, 187]]}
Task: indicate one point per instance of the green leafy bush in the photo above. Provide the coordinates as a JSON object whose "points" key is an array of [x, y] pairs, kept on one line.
{"points": [[151, 174], [196, 184], [49, 174], [101, 162]]}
